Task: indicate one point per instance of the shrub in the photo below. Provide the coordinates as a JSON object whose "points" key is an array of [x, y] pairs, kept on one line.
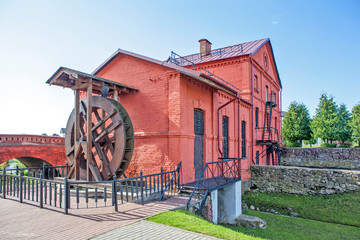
{"points": [[293, 144], [327, 145]]}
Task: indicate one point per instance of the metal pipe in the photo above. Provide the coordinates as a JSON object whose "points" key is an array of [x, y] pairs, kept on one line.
{"points": [[239, 143], [218, 120], [252, 110]]}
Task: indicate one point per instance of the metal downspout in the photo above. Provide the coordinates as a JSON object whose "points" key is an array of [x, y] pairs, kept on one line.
{"points": [[218, 120], [252, 110]]}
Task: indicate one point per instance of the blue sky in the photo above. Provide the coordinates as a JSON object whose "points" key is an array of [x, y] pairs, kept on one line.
{"points": [[314, 42]]}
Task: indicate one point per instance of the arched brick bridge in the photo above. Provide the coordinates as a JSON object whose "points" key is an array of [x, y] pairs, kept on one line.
{"points": [[32, 150]]}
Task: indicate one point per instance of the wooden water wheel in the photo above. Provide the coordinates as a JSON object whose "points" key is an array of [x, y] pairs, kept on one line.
{"points": [[112, 140], [99, 144]]}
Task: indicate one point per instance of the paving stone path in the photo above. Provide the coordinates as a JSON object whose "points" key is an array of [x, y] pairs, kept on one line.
{"points": [[25, 221], [149, 230]]}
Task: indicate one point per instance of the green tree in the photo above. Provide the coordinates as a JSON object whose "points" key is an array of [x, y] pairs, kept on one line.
{"points": [[326, 119], [343, 127], [313, 139], [355, 123], [55, 135], [296, 124]]}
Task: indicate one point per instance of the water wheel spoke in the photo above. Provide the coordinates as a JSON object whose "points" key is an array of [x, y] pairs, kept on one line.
{"points": [[108, 130], [103, 157], [102, 121], [92, 164], [70, 150]]}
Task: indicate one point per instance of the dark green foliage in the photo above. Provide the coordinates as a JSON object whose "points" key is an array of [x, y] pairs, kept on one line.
{"points": [[343, 127], [55, 135], [327, 145], [296, 123], [355, 123], [326, 119], [292, 144]]}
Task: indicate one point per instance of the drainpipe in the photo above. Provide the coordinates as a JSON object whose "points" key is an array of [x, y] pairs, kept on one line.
{"points": [[252, 109], [218, 120], [239, 143]]}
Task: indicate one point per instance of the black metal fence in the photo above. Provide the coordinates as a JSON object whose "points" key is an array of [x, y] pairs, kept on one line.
{"points": [[72, 194], [49, 172]]}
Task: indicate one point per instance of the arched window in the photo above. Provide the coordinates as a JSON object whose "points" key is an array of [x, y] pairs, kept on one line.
{"points": [[255, 82]]}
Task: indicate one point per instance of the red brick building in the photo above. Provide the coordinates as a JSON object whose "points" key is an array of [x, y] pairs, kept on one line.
{"points": [[198, 108]]}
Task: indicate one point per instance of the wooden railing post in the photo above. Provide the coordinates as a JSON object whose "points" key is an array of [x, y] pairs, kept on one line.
{"points": [[114, 193], [142, 187]]}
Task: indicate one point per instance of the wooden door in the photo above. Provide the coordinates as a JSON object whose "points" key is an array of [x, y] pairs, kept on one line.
{"points": [[198, 142]]}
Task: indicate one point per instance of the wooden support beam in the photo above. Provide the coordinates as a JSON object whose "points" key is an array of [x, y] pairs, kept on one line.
{"points": [[89, 132], [77, 133], [116, 94]]}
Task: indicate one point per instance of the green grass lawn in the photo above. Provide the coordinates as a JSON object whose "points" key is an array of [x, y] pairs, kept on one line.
{"points": [[337, 208], [278, 227]]}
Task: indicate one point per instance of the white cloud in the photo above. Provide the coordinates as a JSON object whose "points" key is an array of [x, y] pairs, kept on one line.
{"points": [[275, 22]]}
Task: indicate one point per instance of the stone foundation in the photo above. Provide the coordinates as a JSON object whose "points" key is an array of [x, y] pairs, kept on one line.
{"points": [[304, 181], [344, 158]]}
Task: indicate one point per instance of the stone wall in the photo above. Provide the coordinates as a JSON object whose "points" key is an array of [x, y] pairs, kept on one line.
{"points": [[346, 158], [304, 181]]}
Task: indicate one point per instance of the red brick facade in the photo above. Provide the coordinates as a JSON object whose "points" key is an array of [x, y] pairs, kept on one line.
{"points": [[162, 111]]}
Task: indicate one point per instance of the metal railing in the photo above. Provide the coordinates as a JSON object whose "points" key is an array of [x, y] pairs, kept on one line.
{"points": [[215, 175], [72, 194], [49, 172], [267, 133], [181, 61]]}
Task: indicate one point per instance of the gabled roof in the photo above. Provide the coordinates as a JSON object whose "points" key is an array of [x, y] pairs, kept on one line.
{"points": [[66, 77], [228, 52], [242, 49], [189, 72], [148, 59]]}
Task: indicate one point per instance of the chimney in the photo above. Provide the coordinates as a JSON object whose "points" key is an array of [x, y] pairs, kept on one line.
{"points": [[205, 47]]}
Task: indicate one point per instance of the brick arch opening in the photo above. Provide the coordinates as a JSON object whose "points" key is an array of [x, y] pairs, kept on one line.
{"points": [[33, 162]]}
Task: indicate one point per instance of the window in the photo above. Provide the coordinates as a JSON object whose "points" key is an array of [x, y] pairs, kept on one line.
{"points": [[225, 133], [257, 157], [266, 93], [256, 117], [243, 139], [275, 122], [255, 82], [265, 61]]}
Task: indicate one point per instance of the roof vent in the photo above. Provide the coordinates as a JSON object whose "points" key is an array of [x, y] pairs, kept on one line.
{"points": [[205, 47]]}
